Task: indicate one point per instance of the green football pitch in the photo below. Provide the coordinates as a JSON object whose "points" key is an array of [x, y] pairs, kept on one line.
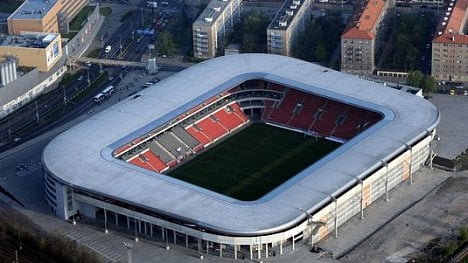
{"points": [[254, 161]]}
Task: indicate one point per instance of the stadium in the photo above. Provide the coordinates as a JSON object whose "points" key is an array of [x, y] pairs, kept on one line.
{"points": [[241, 156]]}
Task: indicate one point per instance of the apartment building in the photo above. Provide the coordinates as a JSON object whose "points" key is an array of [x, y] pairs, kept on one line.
{"points": [[361, 39], [51, 16], [213, 25], [32, 49], [286, 25], [450, 43]]}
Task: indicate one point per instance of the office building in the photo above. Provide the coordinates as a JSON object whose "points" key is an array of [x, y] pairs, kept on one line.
{"points": [[51, 16]]}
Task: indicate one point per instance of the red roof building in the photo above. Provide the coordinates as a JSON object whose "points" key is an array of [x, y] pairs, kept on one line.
{"points": [[450, 44], [361, 38]]}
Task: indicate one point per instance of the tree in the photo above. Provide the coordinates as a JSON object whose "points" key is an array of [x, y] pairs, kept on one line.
{"points": [[429, 84], [253, 32], [415, 79], [166, 44], [320, 53]]}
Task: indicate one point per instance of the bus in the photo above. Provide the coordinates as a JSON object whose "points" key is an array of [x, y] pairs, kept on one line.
{"points": [[99, 97], [107, 92]]}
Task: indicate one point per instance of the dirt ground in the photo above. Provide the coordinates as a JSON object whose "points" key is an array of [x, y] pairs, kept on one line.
{"points": [[438, 215]]}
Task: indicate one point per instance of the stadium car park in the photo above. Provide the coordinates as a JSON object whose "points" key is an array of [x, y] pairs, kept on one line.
{"points": [[124, 177]]}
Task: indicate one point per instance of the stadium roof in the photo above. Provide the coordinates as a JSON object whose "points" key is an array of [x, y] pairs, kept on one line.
{"points": [[81, 157]]}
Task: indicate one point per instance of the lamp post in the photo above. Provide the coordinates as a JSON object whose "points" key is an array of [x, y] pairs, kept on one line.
{"points": [[89, 80], [64, 95], [37, 111]]}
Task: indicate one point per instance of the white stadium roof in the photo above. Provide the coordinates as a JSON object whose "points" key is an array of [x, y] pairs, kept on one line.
{"points": [[82, 156]]}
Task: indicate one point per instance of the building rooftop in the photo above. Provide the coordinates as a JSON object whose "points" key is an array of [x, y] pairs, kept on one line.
{"points": [[211, 12], [407, 119], [363, 26], [33, 9], [451, 26], [28, 40], [286, 14]]}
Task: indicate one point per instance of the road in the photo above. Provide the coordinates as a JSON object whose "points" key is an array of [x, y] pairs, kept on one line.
{"points": [[35, 111]]}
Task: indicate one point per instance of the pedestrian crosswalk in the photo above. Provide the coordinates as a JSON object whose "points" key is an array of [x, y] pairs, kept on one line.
{"points": [[110, 255]]}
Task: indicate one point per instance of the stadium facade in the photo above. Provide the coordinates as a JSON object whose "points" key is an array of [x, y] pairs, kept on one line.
{"points": [[86, 174]]}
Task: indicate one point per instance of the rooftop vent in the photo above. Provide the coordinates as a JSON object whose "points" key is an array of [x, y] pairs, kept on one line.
{"points": [[208, 19], [293, 6], [445, 18], [296, 2], [283, 23], [449, 9], [217, 9], [289, 12], [444, 23], [447, 13], [439, 33]]}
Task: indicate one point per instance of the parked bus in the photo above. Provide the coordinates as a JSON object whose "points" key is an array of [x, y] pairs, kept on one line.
{"points": [[107, 92], [99, 97]]}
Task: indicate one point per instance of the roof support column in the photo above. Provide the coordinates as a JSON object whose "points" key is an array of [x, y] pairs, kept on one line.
{"points": [[235, 251], [336, 215], [362, 198], [259, 249], [220, 250], [105, 221], [410, 164], [266, 250], [281, 247], [293, 243], [251, 251], [386, 181]]}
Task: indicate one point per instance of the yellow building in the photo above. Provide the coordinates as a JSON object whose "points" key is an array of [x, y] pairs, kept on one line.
{"points": [[49, 16], [35, 16], [32, 49]]}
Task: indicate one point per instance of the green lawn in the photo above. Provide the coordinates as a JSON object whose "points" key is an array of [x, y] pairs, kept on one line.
{"points": [[77, 22], [253, 162]]}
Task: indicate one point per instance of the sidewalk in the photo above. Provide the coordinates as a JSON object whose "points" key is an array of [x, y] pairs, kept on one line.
{"points": [[403, 197]]}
